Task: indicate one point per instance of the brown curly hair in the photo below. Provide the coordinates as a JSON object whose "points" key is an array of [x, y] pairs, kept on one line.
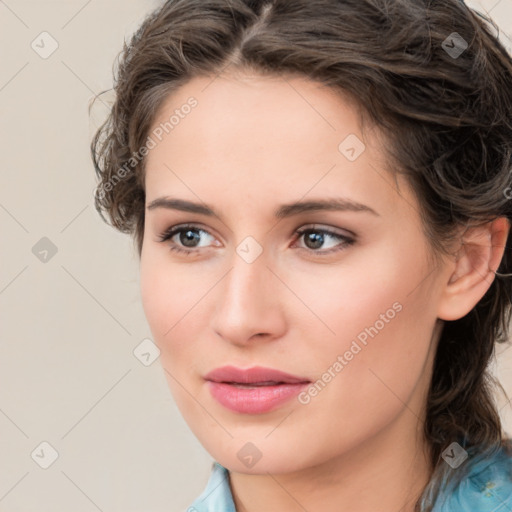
{"points": [[443, 101]]}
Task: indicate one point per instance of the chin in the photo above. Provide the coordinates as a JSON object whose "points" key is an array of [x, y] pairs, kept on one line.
{"points": [[262, 467], [257, 456]]}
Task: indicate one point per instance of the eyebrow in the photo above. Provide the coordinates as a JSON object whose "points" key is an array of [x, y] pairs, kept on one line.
{"points": [[283, 211]]}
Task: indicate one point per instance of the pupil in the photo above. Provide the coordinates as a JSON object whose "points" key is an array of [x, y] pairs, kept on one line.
{"points": [[188, 237], [316, 238]]}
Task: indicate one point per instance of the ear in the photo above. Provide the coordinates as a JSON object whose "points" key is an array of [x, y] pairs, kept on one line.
{"points": [[473, 269]]}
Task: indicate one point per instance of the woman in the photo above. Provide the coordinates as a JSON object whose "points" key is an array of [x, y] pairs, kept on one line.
{"points": [[317, 191]]}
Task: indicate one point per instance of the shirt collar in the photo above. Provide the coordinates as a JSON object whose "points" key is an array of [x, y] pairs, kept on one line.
{"points": [[217, 496]]}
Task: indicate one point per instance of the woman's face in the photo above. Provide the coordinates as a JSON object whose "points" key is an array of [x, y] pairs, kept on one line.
{"points": [[348, 307]]}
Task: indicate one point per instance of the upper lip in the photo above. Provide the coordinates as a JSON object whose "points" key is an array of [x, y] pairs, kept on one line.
{"points": [[254, 375]]}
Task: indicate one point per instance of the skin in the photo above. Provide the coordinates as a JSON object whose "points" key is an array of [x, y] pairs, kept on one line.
{"points": [[250, 145]]}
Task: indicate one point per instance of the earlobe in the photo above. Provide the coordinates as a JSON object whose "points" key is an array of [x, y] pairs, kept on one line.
{"points": [[473, 269]]}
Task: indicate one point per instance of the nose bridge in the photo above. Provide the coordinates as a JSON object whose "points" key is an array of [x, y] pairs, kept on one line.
{"points": [[248, 300], [247, 283]]}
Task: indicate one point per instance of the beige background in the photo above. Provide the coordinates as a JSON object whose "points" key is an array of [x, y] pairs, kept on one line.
{"points": [[69, 325]]}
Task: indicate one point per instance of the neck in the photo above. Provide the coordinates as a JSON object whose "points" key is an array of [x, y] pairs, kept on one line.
{"points": [[387, 473]]}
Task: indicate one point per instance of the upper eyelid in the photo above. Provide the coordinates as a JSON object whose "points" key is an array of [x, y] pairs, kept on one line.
{"points": [[333, 231], [314, 226]]}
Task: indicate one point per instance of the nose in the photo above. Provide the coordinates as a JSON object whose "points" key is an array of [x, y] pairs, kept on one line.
{"points": [[249, 303]]}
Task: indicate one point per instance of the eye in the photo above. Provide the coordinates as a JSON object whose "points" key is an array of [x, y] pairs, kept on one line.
{"points": [[188, 239], [188, 236], [315, 238]]}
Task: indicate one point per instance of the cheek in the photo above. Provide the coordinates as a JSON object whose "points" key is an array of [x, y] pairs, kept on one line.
{"points": [[169, 295], [175, 302], [346, 299], [155, 295], [163, 297], [379, 323]]}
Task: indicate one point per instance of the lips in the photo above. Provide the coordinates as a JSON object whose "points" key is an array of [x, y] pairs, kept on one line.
{"points": [[257, 375], [254, 390]]}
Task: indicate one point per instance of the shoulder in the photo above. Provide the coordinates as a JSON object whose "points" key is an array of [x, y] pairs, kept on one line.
{"points": [[486, 485]]}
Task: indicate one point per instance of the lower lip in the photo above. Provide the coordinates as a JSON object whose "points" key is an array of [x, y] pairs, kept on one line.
{"points": [[254, 400]]}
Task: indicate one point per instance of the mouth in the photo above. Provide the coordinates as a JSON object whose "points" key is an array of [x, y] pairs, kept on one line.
{"points": [[257, 375], [253, 385], [254, 390]]}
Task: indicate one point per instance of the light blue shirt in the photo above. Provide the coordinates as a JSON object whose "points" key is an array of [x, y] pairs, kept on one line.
{"points": [[487, 488], [217, 495]]}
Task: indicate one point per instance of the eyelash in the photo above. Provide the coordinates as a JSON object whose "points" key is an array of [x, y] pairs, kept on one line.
{"points": [[174, 230]]}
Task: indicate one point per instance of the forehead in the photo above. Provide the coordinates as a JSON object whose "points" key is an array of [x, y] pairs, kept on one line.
{"points": [[242, 113], [263, 137]]}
